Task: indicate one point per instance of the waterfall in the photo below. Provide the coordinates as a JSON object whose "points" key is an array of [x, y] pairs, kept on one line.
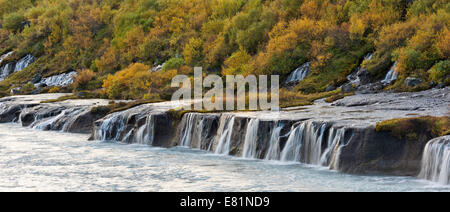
{"points": [[47, 124], [299, 74], [436, 161], [368, 56], [224, 142], [291, 151], [24, 62], [111, 128], [334, 141], [189, 125], [251, 139], [145, 133], [3, 57], [274, 149], [6, 70], [313, 143], [200, 133], [60, 80], [391, 75]]}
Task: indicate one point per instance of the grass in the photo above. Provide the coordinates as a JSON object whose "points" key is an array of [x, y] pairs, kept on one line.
{"points": [[292, 98], [114, 107], [338, 96], [411, 128]]}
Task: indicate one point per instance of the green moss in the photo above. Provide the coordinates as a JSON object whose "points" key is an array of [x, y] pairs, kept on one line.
{"points": [[411, 128]]}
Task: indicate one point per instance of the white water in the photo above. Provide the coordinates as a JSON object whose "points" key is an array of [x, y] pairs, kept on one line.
{"points": [[251, 138], [60, 80], [273, 153], [224, 144], [292, 149], [299, 73], [33, 160], [189, 124], [391, 75], [146, 132], [24, 62], [436, 161], [5, 56]]}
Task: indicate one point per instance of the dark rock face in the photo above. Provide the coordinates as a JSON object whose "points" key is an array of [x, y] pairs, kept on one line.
{"points": [[371, 152], [412, 81], [364, 76]]}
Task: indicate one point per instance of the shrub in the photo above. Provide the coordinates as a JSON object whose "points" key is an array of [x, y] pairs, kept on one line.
{"points": [[173, 63], [13, 21], [130, 83], [83, 79]]}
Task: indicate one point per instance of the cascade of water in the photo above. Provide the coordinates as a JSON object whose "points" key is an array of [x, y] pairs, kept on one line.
{"points": [[251, 138], [72, 118], [60, 80], [334, 140], [111, 128], [200, 133], [292, 149], [436, 161], [391, 75], [274, 149], [3, 57], [299, 73], [6, 70], [224, 143], [24, 62], [146, 133], [188, 122], [316, 145], [47, 124]]}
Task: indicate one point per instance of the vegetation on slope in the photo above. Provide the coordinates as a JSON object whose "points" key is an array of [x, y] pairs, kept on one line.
{"points": [[114, 43]]}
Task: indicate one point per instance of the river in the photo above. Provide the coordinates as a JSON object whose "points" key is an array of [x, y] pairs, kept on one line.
{"points": [[32, 160]]}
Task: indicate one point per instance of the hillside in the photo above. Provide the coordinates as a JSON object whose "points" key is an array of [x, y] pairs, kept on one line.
{"points": [[114, 44]]}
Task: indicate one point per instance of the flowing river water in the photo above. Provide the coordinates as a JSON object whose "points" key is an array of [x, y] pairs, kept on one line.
{"points": [[32, 160]]}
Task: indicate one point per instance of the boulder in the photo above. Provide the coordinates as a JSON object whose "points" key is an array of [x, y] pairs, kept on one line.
{"points": [[347, 88], [413, 81]]}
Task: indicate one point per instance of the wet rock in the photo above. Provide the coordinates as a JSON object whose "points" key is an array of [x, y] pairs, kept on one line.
{"points": [[347, 88], [413, 81], [364, 76], [370, 88]]}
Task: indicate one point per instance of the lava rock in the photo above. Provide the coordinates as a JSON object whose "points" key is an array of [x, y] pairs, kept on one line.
{"points": [[412, 81]]}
